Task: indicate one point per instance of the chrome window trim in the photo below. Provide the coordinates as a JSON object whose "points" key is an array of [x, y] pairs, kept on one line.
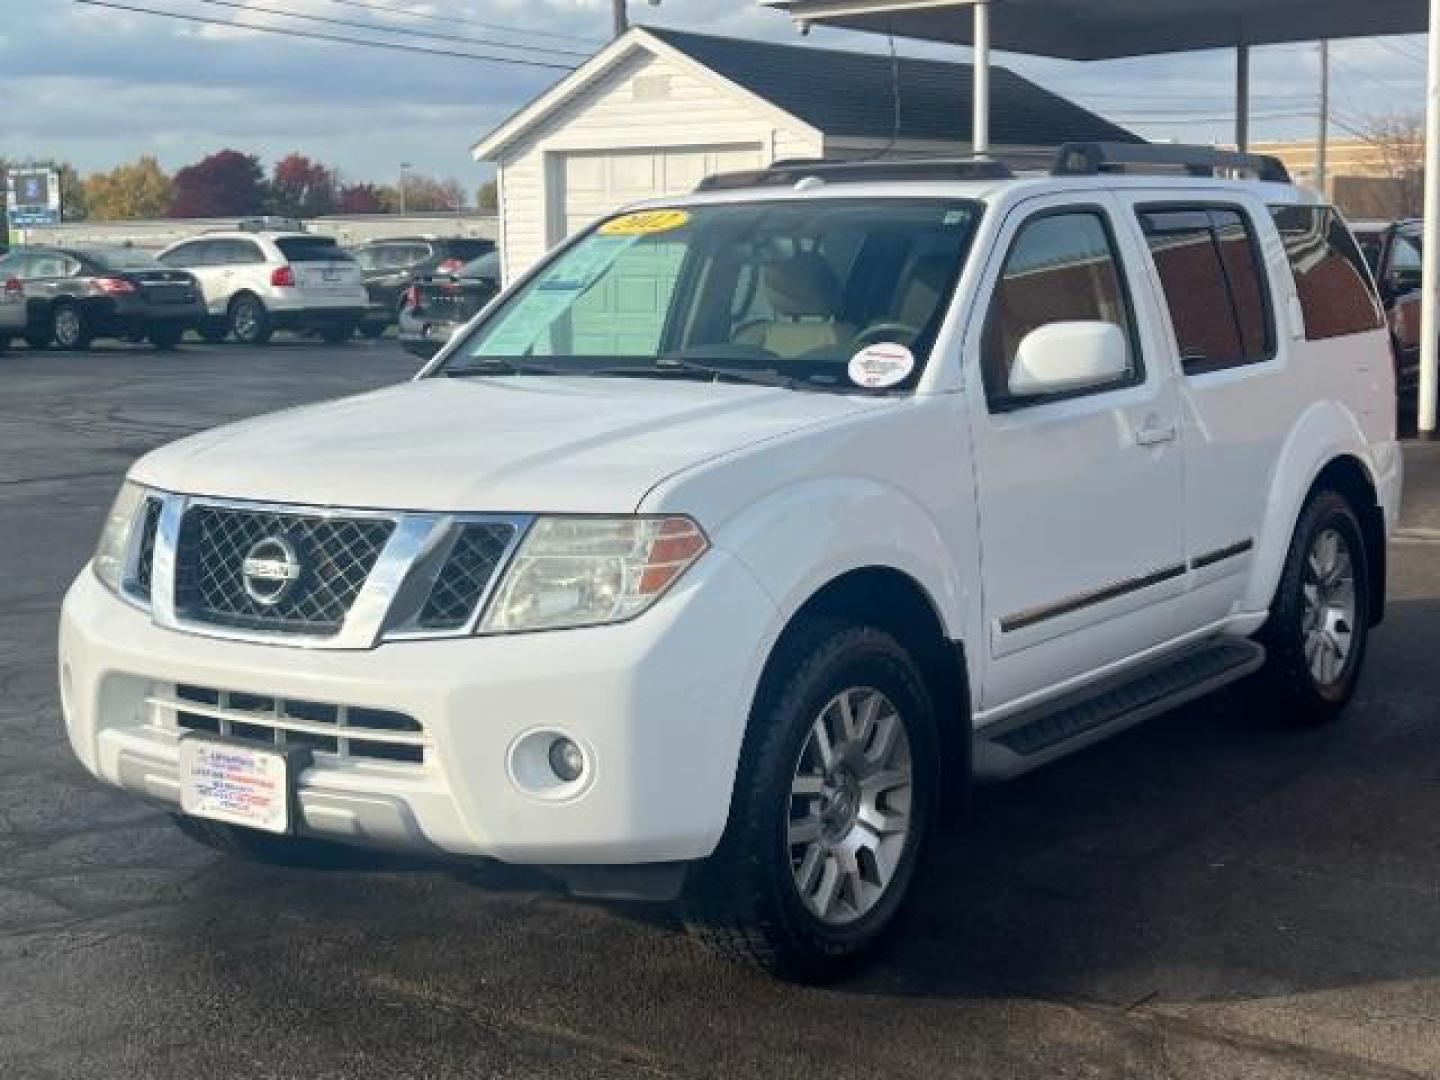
{"points": [[416, 534]]}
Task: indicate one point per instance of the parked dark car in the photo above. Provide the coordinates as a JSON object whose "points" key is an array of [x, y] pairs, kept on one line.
{"points": [[392, 265], [1393, 250], [75, 295], [435, 307]]}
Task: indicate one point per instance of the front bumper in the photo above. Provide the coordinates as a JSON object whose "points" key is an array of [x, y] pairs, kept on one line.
{"points": [[658, 704]]}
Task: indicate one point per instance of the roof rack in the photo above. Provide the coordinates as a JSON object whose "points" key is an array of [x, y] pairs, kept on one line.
{"points": [[1095, 158], [791, 172]]}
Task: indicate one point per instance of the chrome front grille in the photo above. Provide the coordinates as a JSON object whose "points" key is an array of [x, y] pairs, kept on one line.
{"points": [[349, 579], [336, 555], [145, 556], [343, 731], [465, 576]]}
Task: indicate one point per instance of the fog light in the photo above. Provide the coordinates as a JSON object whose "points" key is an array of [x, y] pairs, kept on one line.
{"points": [[567, 760]]}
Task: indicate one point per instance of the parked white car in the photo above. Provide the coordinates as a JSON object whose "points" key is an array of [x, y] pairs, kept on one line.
{"points": [[257, 281], [751, 525]]}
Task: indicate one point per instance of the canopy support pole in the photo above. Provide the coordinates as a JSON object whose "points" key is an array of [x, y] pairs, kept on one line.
{"points": [[1242, 98], [1429, 323], [980, 133]]}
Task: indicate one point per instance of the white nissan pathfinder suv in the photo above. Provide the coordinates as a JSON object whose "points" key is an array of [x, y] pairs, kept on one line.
{"points": [[749, 526]]}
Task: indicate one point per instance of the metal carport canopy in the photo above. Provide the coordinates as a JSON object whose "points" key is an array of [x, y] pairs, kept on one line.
{"points": [[1110, 29]]}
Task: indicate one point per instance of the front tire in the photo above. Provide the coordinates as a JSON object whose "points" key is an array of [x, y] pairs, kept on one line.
{"points": [[249, 321], [166, 338], [834, 798], [70, 329], [1319, 622]]}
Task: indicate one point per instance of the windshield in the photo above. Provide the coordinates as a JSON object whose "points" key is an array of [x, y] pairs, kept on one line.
{"points": [[834, 293]]}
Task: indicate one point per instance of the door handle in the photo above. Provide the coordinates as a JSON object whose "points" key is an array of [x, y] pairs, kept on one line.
{"points": [[1155, 433]]}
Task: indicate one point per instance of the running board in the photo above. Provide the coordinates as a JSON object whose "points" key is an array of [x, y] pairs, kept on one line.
{"points": [[1033, 738]]}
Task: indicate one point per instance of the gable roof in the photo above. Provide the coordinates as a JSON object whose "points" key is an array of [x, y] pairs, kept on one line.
{"points": [[839, 93]]}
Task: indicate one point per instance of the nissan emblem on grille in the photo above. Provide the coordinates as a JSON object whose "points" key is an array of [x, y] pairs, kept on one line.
{"points": [[270, 570]]}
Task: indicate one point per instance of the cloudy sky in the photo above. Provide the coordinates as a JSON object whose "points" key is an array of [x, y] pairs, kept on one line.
{"points": [[97, 86]]}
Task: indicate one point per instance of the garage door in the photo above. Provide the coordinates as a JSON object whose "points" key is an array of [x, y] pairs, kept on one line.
{"points": [[590, 185], [632, 297]]}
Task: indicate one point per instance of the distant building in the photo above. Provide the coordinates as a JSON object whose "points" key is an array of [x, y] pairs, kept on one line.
{"points": [[1360, 179], [657, 110]]}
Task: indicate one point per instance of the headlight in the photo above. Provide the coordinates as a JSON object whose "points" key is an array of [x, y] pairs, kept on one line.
{"points": [[113, 551], [573, 572]]}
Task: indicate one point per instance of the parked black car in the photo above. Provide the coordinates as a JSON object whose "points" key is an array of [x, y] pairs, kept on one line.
{"points": [[391, 265], [1394, 251], [75, 295], [435, 307]]}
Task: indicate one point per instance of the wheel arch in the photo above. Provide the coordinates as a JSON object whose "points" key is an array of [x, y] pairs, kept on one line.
{"points": [[894, 601], [1327, 450]]}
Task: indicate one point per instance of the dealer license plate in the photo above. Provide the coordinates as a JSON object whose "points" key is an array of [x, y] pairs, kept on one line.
{"points": [[239, 785]]}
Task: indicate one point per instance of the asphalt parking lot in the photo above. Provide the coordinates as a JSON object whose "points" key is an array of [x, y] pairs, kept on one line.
{"points": [[1204, 897]]}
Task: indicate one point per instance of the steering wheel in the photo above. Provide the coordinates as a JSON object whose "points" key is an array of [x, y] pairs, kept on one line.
{"points": [[889, 332]]}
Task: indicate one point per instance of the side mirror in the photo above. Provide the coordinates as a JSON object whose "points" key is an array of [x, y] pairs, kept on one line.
{"points": [[1065, 356]]}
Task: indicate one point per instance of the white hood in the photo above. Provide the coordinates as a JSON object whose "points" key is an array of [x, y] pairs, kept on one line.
{"points": [[500, 444]]}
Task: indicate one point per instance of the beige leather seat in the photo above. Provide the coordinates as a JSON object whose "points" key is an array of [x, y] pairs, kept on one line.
{"points": [[806, 296]]}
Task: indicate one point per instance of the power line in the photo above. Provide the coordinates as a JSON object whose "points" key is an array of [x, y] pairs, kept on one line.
{"points": [[405, 13], [311, 35], [436, 35]]}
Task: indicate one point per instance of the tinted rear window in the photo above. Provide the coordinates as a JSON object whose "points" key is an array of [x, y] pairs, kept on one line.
{"points": [[122, 258], [470, 249], [1336, 291], [312, 249]]}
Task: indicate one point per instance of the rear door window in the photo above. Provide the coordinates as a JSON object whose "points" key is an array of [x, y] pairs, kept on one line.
{"points": [[1214, 281], [1336, 291], [298, 249]]}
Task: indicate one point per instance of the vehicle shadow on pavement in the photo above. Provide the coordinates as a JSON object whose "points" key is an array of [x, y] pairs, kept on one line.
{"points": [[1211, 854]]}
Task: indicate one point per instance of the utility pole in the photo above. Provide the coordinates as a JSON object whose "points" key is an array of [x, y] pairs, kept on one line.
{"points": [[622, 21], [1322, 145]]}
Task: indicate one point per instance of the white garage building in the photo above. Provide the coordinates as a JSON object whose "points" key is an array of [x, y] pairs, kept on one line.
{"points": [[657, 110]]}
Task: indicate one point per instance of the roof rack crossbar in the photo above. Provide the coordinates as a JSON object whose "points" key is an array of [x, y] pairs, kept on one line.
{"points": [[1095, 158], [791, 172]]}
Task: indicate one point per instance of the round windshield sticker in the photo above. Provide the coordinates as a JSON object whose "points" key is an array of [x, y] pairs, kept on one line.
{"points": [[645, 223], [880, 366]]}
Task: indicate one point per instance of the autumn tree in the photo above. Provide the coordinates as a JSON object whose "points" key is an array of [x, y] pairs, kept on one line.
{"points": [[1398, 140], [225, 184], [360, 199], [301, 188], [427, 194], [128, 192]]}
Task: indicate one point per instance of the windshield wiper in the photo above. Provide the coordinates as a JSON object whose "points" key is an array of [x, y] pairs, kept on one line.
{"points": [[739, 372], [504, 367]]}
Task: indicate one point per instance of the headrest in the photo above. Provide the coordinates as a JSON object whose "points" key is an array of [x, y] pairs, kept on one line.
{"points": [[803, 286]]}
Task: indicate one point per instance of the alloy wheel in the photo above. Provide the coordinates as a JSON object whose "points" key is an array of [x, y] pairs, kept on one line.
{"points": [[68, 329], [850, 806], [1328, 620]]}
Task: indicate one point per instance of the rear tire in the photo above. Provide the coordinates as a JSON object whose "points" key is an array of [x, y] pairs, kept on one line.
{"points": [[1319, 622], [822, 845], [249, 322], [38, 339], [70, 329], [215, 332], [166, 338], [260, 847]]}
